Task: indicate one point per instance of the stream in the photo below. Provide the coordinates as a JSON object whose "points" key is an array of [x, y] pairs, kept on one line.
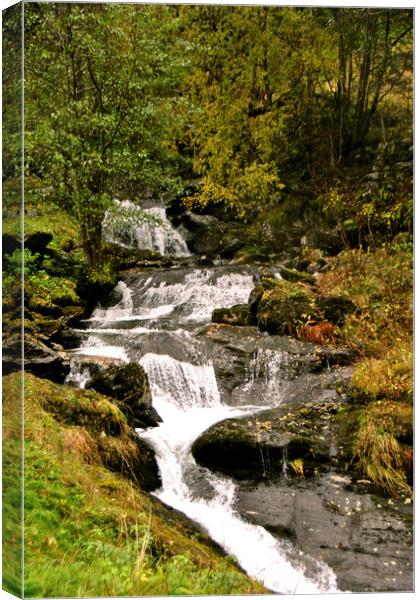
{"points": [[160, 318]]}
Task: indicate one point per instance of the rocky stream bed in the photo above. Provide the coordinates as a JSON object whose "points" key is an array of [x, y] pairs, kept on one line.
{"points": [[243, 424]]}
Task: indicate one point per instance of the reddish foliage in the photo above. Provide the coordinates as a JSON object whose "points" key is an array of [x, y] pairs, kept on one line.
{"points": [[320, 333]]}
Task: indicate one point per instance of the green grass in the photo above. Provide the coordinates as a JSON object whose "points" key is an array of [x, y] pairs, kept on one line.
{"points": [[88, 531]]}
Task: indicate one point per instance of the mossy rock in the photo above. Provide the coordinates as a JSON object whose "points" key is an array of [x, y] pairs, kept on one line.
{"points": [[262, 446], [264, 284], [295, 275], [44, 306], [283, 308], [129, 386], [103, 427]]}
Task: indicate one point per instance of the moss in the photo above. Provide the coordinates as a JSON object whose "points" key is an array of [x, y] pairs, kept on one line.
{"points": [[44, 218], [76, 407], [89, 531], [284, 307], [295, 275]]}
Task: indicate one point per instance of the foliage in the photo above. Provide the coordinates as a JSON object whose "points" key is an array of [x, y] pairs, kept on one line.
{"points": [[377, 451], [390, 376], [100, 106], [380, 283], [343, 76], [12, 107]]}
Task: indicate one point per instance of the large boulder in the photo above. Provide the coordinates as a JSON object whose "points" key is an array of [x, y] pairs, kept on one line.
{"points": [[281, 309], [338, 520], [129, 386], [269, 444]]}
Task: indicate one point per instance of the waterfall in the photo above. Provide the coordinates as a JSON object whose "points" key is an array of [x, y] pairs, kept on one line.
{"points": [[128, 225], [172, 306], [187, 411]]}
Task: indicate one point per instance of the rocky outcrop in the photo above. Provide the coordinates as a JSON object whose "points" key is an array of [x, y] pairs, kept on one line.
{"points": [[129, 387], [287, 307], [281, 309], [271, 443], [364, 538]]}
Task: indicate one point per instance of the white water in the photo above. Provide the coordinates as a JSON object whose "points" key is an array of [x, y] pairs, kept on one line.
{"points": [[187, 398], [189, 404], [128, 225]]}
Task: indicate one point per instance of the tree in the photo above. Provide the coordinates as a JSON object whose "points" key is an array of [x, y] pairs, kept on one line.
{"points": [[374, 48], [101, 89], [252, 67]]}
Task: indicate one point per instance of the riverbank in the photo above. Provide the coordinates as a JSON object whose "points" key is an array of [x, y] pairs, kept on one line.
{"points": [[89, 531]]}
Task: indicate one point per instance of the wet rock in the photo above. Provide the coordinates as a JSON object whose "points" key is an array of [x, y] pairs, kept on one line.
{"points": [[129, 386], [236, 315], [364, 538], [248, 361], [263, 446]]}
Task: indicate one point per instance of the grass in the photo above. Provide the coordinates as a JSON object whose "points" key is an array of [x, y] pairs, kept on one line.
{"points": [[378, 451], [88, 531], [380, 283]]}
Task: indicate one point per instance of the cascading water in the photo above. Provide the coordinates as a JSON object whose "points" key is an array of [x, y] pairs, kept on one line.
{"points": [[155, 321], [128, 225]]}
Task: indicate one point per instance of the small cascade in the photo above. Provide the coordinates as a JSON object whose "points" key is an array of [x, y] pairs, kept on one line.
{"points": [[270, 367], [78, 376], [128, 225], [180, 385], [121, 310], [201, 291], [271, 561], [93, 346], [190, 295]]}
